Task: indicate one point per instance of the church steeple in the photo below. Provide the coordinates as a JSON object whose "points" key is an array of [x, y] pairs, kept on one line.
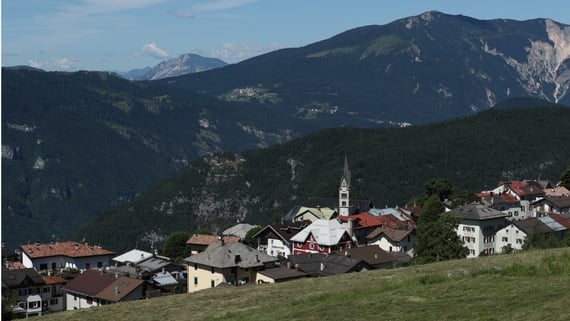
{"points": [[344, 191]]}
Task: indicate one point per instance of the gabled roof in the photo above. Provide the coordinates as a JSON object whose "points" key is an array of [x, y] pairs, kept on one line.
{"points": [[529, 224], [557, 191], [362, 220], [561, 202], [154, 263], [207, 239], [562, 220], [69, 249], [478, 212], [23, 277], [374, 255], [282, 273], [163, 279], [323, 264], [120, 288], [50, 280], [132, 256], [552, 224], [90, 282], [318, 212], [231, 255], [325, 232], [525, 188], [392, 234], [284, 231], [240, 230]]}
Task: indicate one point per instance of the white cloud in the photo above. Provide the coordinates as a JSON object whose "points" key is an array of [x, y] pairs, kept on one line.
{"points": [[183, 14], [233, 52], [223, 4], [153, 50], [63, 64], [92, 7]]}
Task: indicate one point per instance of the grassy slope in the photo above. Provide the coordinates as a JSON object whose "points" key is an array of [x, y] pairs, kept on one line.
{"points": [[524, 286]]}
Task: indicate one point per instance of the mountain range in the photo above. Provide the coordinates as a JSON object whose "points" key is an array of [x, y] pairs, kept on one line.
{"points": [[184, 64], [77, 144]]}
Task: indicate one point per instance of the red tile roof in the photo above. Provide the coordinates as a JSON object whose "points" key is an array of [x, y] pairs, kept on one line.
{"points": [[363, 220], [69, 249], [207, 239], [50, 280]]}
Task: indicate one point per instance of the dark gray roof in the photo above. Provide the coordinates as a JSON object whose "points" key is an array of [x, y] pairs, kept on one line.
{"points": [[478, 212], [231, 255], [531, 224], [318, 264], [374, 255], [21, 278], [284, 231], [282, 273]]}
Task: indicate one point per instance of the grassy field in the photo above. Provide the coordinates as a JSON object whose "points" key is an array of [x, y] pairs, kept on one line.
{"points": [[525, 286]]}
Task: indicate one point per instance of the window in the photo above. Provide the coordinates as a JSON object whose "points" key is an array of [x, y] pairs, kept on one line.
{"points": [[89, 300], [312, 246], [99, 264], [213, 283], [299, 244], [519, 241], [321, 248], [505, 239], [87, 266], [34, 304], [22, 292], [46, 289], [75, 298], [212, 270], [43, 266], [195, 280], [53, 301], [195, 266], [53, 266]]}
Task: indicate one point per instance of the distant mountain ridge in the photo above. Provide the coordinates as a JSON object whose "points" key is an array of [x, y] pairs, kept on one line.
{"points": [[419, 69], [182, 65]]}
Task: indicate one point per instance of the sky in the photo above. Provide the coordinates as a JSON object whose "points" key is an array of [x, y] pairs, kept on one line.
{"points": [[120, 35]]}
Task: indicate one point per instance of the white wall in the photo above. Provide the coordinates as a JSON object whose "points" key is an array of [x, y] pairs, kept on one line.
{"points": [[509, 235]]}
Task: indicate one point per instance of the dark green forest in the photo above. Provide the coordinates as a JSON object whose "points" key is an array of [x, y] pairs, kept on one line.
{"points": [[388, 166]]}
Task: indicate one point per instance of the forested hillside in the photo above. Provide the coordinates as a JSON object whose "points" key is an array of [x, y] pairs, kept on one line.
{"points": [[389, 167]]}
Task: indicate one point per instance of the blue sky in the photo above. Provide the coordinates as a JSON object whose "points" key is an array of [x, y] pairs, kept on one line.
{"points": [[120, 35]]}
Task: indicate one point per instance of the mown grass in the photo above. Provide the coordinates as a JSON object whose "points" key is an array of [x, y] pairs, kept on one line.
{"points": [[524, 286]]}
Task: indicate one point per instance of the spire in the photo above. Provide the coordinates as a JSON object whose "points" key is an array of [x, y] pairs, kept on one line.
{"points": [[345, 173]]}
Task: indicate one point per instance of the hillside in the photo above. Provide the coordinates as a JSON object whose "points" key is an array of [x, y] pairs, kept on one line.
{"points": [[524, 286], [388, 166], [417, 70], [77, 144]]}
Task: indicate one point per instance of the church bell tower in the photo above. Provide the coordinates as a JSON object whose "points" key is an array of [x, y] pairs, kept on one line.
{"points": [[344, 191]]}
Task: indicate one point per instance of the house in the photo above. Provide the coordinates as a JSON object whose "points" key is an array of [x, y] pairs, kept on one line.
{"points": [[56, 256], [239, 230], [131, 258], [94, 288], [275, 239], [506, 203], [361, 224], [393, 239], [377, 258], [279, 274], [525, 192], [303, 213], [477, 227], [199, 242], [36, 294], [513, 236], [226, 263], [319, 264], [552, 205], [322, 236]]}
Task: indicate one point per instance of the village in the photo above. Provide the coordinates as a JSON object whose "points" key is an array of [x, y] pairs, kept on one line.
{"points": [[322, 237]]}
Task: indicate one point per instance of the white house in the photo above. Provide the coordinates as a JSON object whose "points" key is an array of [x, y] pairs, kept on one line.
{"points": [[393, 240], [275, 239], [477, 227], [514, 235], [65, 255]]}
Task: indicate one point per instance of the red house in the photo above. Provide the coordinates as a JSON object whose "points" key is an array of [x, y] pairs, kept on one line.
{"points": [[322, 236]]}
